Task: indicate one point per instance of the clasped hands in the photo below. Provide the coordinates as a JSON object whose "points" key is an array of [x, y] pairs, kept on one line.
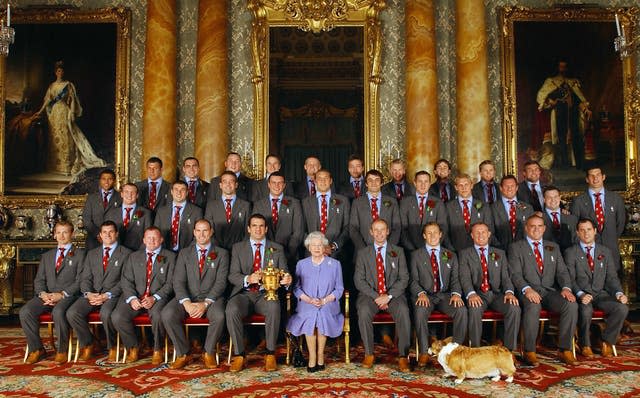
{"points": [[51, 298], [317, 302], [147, 302]]}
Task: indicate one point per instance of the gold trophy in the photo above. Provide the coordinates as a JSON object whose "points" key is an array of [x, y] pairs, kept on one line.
{"points": [[271, 281]]}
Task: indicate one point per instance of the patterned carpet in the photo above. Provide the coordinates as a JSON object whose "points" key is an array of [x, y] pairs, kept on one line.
{"points": [[616, 377]]}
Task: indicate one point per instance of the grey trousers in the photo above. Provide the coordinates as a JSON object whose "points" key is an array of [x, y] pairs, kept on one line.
{"points": [[122, 319], [245, 303], [29, 314], [511, 314], [421, 316], [616, 314], [77, 318], [367, 309], [566, 324]]}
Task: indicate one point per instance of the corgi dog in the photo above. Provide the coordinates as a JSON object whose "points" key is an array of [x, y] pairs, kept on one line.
{"points": [[474, 363]]}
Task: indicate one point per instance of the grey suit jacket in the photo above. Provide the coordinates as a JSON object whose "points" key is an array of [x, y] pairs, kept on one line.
{"points": [[260, 190], [412, 224], [360, 220], [227, 234], [435, 190], [346, 189], [338, 210], [140, 219], [396, 273], [163, 196], [67, 279], [245, 187], [478, 193], [95, 279], [604, 278], [190, 215], [187, 282], [242, 262], [524, 269], [458, 237], [524, 195], [497, 268], [614, 218], [502, 228], [94, 214], [422, 275], [389, 189], [289, 231], [566, 236], [134, 274], [202, 193]]}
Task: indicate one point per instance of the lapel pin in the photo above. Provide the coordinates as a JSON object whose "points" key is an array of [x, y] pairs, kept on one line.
{"points": [[393, 265], [161, 270], [188, 221], [448, 265], [337, 211], [240, 215], [552, 260], [287, 210], [116, 264]]}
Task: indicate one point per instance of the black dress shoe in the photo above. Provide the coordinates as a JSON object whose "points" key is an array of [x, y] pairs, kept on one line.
{"points": [[312, 369], [319, 367]]}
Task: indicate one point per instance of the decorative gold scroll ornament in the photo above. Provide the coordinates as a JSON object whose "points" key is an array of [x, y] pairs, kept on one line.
{"points": [[318, 15]]}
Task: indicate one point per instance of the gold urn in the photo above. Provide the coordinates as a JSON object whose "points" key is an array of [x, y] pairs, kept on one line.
{"points": [[271, 281]]}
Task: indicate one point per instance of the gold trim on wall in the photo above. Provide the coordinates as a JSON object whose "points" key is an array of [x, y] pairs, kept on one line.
{"points": [[333, 13], [631, 94], [61, 15]]}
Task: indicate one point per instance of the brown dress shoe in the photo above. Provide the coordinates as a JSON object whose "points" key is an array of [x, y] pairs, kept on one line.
{"points": [[270, 363], [403, 365], [86, 353], [60, 358], [568, 358], [156, 358], [209, 361], [35, 356], [132, 354], [531, 358], [181, 362], [237, 363], [368, 361], [586, 352], [423, 360], [606, 350]]}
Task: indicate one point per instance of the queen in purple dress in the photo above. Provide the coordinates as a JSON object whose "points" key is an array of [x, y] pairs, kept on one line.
{"points": [[318, 288]]}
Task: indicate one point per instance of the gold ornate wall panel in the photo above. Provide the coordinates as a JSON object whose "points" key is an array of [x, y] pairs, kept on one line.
{"points": [[324, 16]]}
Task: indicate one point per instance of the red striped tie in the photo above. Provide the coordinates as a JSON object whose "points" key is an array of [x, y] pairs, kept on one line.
{"points": [[538, 255], [374, 209], [227, 210], [485, 271], [153, 192], [175, 224], [382, 286], [149, 270], [436, 272], [105, 259], [323, 214], [60, 259], [599, 212]]}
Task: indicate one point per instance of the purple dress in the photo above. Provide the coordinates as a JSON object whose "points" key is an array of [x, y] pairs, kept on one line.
{"points": [[318, 281]]}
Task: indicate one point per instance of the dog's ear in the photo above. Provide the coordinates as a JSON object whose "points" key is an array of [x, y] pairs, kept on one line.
{"points": [[447, 340]]}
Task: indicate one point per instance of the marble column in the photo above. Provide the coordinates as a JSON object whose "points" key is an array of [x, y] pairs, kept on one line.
{"points": [[160, 86], [423, 145], [472, 96], [212, 91]]}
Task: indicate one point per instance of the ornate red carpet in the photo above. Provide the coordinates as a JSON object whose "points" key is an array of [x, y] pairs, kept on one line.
{"points": [[597, 378]]}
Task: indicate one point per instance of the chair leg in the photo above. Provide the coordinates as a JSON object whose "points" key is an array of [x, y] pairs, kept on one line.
{"points": [[288, 360], [615, 352], [51, 335], [26, 353], [347, 358], [75, 358], [166, 348], [218, 353], [117, 347], [230, 350]]}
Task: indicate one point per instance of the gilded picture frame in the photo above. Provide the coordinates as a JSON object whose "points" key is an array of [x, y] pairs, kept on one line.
{"points": [[316, 18], [58, 133], [569, 101]]}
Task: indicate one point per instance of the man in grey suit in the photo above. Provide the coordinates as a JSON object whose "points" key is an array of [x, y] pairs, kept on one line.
{"points": [[435, 284], [604, 207], [233, 163], [199, 282], [153, 192], [130, 218], [462, 212], [228, 215], [176, 219], [198, 188], [509, 215], [285, 221], [539, 273], [560, 225], [97, 205], [530, 189], [327, 212], [368, 208], [100, 289], [418, 210], [355, 187], [307, 187], [381, 277], [146, 283], [486, 190], [398, 187], [248, 260], [260, 189], [597, 285], [56, 285], [485, 280], [442, 187]]}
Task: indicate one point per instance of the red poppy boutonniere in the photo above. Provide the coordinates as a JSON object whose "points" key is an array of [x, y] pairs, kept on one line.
{"points": [[71, 253], [335, 202], [521, 206], [494, 256], [160, 259], [549, 248], [478, 205], [386, 203], [211, 257], [137, 215], [285, 202], [430, 205], [600, 257], [393, 253], [446, 255]]}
